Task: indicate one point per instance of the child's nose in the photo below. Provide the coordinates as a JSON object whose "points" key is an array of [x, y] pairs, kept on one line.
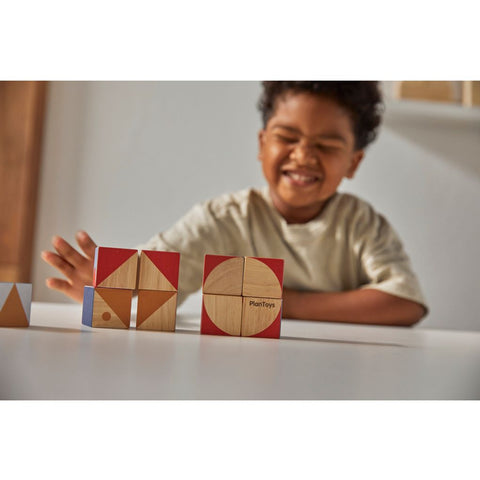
{"points": [[304, 154]]}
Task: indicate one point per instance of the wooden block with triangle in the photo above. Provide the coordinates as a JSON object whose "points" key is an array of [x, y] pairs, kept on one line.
{"points": [[107, 307], [158, 270], [115, 268], [156, 310], [157, 290], [15, 304]]}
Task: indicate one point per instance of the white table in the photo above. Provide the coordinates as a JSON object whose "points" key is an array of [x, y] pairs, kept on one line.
{"points": [[58, 358]]}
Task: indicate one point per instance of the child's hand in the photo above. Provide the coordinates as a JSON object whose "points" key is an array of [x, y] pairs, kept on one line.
{"points": [[77, 268]]}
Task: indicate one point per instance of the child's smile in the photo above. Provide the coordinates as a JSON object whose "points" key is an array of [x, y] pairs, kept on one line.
{"points": [[306, 149]]}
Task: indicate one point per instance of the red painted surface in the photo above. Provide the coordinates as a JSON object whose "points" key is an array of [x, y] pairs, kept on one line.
{"points": [[167, 262], [107, 260], [273, 330], [210, 262]]}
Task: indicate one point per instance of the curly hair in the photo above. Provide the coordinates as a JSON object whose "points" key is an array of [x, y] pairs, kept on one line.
{"points": [[362, 99]]}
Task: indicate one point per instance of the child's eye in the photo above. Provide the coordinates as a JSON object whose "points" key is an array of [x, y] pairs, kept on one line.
{"points": [[326, 148], [285, 139]]}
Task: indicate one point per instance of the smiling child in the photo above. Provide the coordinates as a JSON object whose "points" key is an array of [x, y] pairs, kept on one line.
{"points": [[343, 261]]}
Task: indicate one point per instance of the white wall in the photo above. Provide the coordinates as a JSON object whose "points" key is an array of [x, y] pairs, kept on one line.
{"points": [[124, 160]]}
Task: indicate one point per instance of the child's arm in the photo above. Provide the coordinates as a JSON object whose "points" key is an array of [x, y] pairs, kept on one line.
{"points": [[367, 306], [76, 267]]}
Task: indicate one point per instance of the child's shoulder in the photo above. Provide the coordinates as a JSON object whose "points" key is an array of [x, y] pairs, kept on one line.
{"points": [[356, 211]]}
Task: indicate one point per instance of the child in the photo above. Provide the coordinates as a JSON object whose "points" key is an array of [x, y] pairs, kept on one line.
{"points": [[343, 261]]}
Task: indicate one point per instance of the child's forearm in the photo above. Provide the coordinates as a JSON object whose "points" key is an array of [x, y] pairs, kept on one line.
{"points": [[366, 306]]}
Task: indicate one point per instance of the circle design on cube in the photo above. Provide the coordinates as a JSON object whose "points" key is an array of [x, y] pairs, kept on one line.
{"points": [[226, 278], [225, 312], [260, 280]]}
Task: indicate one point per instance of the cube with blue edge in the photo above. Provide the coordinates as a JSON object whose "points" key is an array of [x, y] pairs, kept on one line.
{"points": [[106, 307]]}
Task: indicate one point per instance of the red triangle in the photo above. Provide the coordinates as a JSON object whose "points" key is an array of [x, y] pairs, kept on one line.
{"points": [[107, 260], [167, 262]]}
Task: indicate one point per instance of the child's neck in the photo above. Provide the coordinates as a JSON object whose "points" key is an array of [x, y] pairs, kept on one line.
{"points": [[298, 215]]}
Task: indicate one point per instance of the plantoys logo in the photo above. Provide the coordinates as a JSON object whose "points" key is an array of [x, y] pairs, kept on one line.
{"points": [[262, 303]]}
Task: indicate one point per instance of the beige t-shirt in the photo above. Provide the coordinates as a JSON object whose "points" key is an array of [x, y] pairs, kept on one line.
{"points": [[348, 246]]}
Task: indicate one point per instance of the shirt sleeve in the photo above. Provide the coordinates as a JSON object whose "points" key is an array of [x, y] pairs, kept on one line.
{"points": [[385, 266]]}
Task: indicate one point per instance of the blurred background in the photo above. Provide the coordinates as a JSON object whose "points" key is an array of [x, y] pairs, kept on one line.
{"points": [[124, 160]]}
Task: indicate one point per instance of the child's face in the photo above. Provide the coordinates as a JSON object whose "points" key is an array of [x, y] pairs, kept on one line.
{"points": [[306, 149]]}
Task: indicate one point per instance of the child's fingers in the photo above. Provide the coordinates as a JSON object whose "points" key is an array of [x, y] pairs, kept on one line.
{"points": [[59, 263], [67, 252], [64, 287], [86, 243]]}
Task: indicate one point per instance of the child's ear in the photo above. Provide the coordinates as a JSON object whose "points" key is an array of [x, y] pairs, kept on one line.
{"points": [[261, 141], [357, 158]]}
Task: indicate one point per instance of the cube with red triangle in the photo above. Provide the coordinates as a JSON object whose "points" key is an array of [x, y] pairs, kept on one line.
{"points": [[115, 268], [158, 270], [15, 304], [157, 290], [108, 303]]}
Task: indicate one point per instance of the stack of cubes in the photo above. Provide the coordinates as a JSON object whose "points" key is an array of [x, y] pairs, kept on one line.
{"points": [[157, 290], [15, 304], [242, 296], [108, 303]]}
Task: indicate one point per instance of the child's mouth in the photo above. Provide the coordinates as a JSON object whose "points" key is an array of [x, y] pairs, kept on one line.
{"points": [[300, 179]]}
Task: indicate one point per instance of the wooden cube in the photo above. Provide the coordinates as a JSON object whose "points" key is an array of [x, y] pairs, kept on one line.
{"points": [[158, 270], [263, 277], [221, 315], [107, 307], [261, 317], [222, 275], [156, 310], [15, 304], [115, 268]]}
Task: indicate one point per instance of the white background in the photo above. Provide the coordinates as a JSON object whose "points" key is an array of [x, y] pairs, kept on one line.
{"points": [[219, 40]]}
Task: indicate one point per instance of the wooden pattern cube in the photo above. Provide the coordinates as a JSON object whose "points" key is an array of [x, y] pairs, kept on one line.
{"points": [[261, 317], [115, 268], [263, 277], [156, 310], [221, 315], [222, 275], [15, 304], [107, 307], [158, 270]]}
